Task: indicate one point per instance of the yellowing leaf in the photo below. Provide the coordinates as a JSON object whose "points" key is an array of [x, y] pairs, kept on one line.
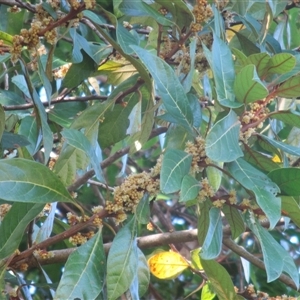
{"points": [[110, 66], [276, 159], [167, 265], [230, 33]]}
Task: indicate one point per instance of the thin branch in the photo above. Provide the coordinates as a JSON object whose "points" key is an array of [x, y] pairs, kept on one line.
{"points": [[255, 261], [19, 3], [108, 161], [55, 101]]}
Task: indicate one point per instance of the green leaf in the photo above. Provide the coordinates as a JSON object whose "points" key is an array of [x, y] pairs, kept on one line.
{"points": [[14, 224], [224, 74], [290, 88], [29, 129], [248, 87], [258, 160], [23, 180], [84, 274], [181, 14], [283, 146], [234, 219], [212, 245], [140, 8], [260, 60], [125, 38], [168, 87], [78, 140], [289, 117], [287, 180], [207, 292], [276, 259], [122, 261], [78, 72], [143, 210], [281, 63], [2, 122], [143, 273], [114, 126], [25, 85], [291, 209], [261, 185], [214, 176], [12, 140], [175, 165], [189, 188], [222, 141], [203, 220], [195, 259], [6, 38], [219, 279]]}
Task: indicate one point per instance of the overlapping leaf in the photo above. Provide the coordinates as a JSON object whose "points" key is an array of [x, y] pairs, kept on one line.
{"points": [[248, 87], [168, 87], [264, 189], [175, 165], [222, 141]]}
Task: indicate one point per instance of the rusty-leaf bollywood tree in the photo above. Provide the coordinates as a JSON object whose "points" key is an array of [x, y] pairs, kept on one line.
{"points": [[133, 127]]}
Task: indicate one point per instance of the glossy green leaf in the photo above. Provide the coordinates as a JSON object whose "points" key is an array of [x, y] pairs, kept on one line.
{"points": [[212, 245], [289, 117], [175, 165], [264, 189], [222, 141], [168, 87], [189, 188], [219, 279], [29, 129], [122, 261], [45, 80], [143, 210], [291, 209], [224, 74], [2, 121], [84, 274], [233, 216], [287, 180], [248, 87], [14, 224], [6, 38], [290, 88], [283, 146], [125, 38], [203, 220], [281, 63], [276, 259], [23, 180]]}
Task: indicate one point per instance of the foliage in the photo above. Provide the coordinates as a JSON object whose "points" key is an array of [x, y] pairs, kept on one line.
{"points": [[129, 128]]}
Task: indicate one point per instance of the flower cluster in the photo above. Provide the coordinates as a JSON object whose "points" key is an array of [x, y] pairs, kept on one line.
{"points": [[206, 190], [43, 254], [202, 12], [4, 208], [81, 238], [197, 150], [129, 193], [61, 72], [73, 219]]}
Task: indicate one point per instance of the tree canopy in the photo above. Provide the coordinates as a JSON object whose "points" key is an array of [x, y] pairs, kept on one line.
{"points": [[150, 149]]}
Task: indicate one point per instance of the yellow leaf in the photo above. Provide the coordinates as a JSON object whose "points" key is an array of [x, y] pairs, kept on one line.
{"points": [[167, 265], [110, 66], [276, 159], [230, 32]]}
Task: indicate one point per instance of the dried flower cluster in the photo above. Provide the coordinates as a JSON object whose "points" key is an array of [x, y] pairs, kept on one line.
{"points": [[4, 208], [129, 193], [197, 150], [202, 12]]}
